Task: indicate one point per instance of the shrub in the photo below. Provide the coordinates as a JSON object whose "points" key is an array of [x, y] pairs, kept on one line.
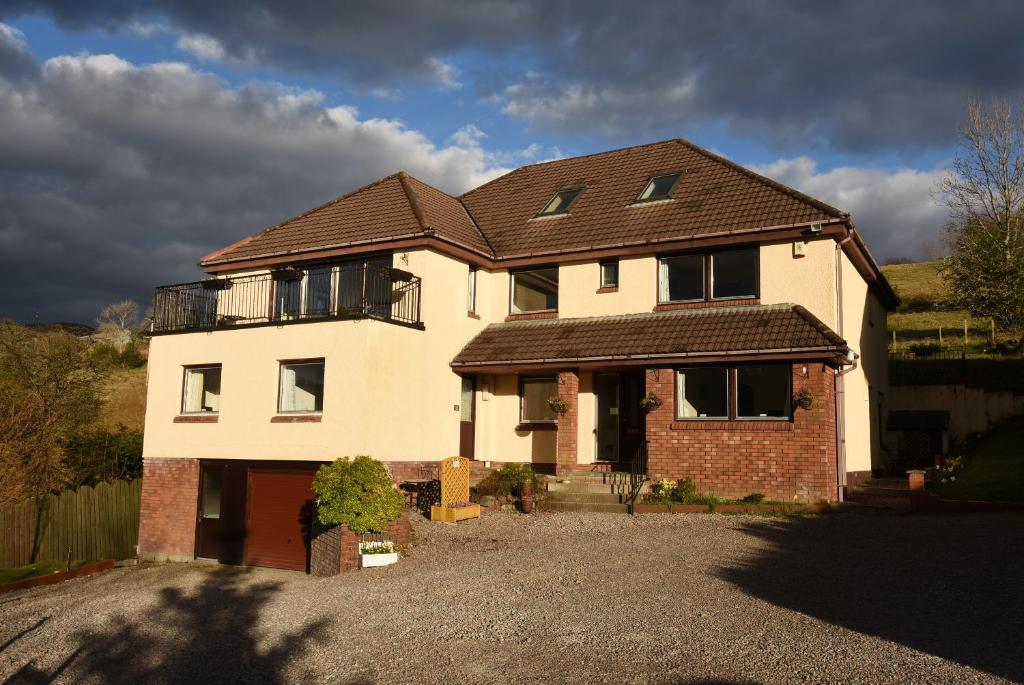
{"points": [[753, 498], [508, 480], [686, 492], [99, 455], [358, 493], [105, 356]]}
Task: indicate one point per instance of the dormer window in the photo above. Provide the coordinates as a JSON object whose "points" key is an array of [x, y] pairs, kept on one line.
{"points": [[561, 202], [659, 188]]}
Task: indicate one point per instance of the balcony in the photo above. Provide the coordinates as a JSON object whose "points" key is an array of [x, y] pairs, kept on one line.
{"points": [[292, 295]]}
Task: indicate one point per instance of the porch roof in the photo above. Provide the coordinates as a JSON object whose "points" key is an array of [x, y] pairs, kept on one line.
{"points": [[784, 331]]}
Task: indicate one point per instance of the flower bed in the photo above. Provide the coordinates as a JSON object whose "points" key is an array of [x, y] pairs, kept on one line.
{"points": [[59, 576], [669, 496]]}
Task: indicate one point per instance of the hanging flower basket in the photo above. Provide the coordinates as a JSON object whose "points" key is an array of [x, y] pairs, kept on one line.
{"points": [[650, 402], [804, 399], [558, 405]]}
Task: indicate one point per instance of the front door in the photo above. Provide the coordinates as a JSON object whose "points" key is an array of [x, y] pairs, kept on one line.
{"points": [[467, 423], [211, 493], [606, 431]]}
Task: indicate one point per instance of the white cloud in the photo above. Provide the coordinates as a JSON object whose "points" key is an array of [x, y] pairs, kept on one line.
{"points": [[445, 73], [893, 209], [202, 46], [119, 176]]}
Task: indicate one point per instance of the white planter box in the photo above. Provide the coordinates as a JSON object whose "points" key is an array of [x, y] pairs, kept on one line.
{"points": [[370, 560]]}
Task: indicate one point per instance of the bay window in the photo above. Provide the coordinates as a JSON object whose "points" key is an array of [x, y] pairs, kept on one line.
{"points": [[748, 392]]}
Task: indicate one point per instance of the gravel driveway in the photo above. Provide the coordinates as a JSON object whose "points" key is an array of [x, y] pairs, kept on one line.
{"points": [[582, 598]]}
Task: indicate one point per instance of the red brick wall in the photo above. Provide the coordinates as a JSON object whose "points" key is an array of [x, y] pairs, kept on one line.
{"points": [[167, 522], [732, 459], [568, 423]]}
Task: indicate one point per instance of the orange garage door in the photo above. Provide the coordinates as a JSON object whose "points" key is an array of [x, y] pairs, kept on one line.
{"points": [[280, 505]]}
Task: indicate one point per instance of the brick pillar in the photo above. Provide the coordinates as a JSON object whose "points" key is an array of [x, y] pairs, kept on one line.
{"points": [[167, 520], [568, 423]]}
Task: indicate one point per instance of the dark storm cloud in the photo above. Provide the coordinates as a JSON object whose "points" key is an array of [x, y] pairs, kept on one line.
{"points": [[116, 177], [854, 77]]}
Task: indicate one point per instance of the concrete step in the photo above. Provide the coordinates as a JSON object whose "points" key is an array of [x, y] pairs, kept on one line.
{"points": [[895, 501], [592, 507], [585, 497], [584, 486]]}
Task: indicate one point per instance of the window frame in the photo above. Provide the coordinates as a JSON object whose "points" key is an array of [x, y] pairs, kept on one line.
{"points": [[708, 266], [732, 393], [600, 272], [640, 199], [281, 364], [522, 399], [729, 387], [186, 369], [512, 290], [568, 208]]}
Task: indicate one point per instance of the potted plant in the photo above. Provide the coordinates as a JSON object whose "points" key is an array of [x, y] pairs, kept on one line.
{"points": [[380, 553], [804, 399], [558, 405], [650, 401]]}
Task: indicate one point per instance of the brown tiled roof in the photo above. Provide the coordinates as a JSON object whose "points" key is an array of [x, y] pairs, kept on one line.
{"points": [[497, 220], [758, 329], [397, 206], [714, 195]]}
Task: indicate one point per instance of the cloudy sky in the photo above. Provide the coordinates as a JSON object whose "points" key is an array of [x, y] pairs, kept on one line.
{"points": [[136, 136]]}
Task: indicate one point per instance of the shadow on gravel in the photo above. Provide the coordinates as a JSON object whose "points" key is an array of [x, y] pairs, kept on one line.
{"points": [[211, 635], [946, 585]]}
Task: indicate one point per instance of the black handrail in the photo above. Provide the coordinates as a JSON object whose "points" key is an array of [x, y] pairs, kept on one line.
{"points": [[359, 291], [637, 473]]}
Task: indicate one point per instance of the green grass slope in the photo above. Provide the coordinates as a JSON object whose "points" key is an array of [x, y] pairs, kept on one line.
{"points": [[994, 467]]}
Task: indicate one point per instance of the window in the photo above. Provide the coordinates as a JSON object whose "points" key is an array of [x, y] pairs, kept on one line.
{"points": [[534, 394], [202, 390], [756, 391], [302, 387], [762, 392], [681, 278], [659, 188], [317, 286], [471, 290], [211, 493], [535, 290], [721, 275], [702, 392], [561, 202], [610, 273], [734, 273]]}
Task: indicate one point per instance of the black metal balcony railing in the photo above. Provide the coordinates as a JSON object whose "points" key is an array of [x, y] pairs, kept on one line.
{"points": [[361, 291]]}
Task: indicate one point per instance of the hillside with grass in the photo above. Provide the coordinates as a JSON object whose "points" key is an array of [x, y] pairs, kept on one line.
{"points": [[923, 312]]}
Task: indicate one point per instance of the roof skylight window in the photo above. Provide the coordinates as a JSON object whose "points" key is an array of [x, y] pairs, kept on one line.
{"points": [[659, 187], [561, 202]]}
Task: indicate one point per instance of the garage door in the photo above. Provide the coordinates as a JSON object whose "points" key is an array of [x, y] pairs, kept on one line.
{"points": [[280, 505]]}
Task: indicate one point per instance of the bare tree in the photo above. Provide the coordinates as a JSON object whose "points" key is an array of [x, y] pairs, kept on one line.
{"points": [[118, 324], [985, 195]]}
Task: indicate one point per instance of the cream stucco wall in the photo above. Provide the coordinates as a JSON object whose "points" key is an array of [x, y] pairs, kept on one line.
{"points": [[389, 390], [865, 386], [578, 284], [809, 280]]}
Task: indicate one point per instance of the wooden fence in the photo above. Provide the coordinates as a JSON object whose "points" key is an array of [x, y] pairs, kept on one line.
{"points": [[100, 522]]}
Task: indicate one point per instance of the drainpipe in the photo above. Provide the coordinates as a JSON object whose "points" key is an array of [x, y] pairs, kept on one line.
{"points": [[840, 385]]}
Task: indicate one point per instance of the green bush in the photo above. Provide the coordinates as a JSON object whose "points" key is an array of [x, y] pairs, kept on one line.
{"points": [[753, 498], [685, 491], [105, 356], [508, 480], [99, 455], [358, 493]]}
